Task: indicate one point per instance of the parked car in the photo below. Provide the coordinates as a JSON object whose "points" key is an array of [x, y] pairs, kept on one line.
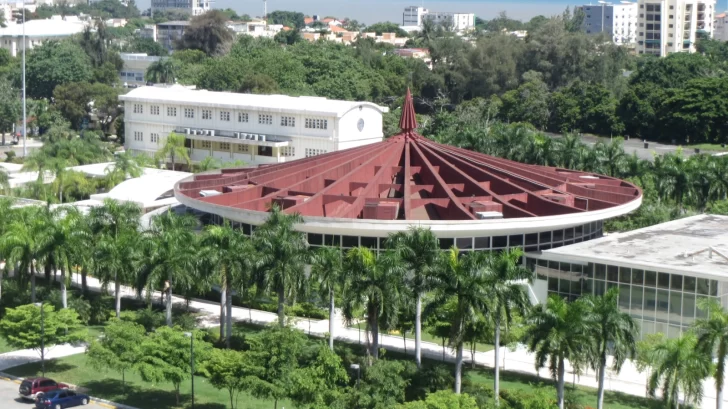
{"points": [[61, 399], [30, 388]]}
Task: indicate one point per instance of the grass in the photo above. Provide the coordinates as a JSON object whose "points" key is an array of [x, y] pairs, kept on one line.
{"points": [[426, 337], [711, 147]]}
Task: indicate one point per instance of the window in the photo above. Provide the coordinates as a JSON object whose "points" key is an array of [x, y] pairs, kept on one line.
{"points": [[265, 119], [314, 152], [224, 146], [154, 110], [206, 144], [138, 108], [288, 151], [154, 137], [311, 123], [189, 112], [139, 136], [206, 114], [288, 121], [242, 148], [224, 116], [171, 111], [242, 117]]}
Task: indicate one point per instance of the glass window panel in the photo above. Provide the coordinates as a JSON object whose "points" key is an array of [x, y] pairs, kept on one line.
{"points": [[567, 242], [349, 241], [500, 242], [713, 288], [332, 240], [698, 312], [689, 284], [676, 282], [557, 245], [688, 309], [544, 247], [544, 237], [625, 275], [663, 280], [648, 327], [554, 266], [464, 243], [638, 277], [624, 293], [663, 305], [446, 244], [315, 239], [383, 243], [246, 229], [515, 241], [558, 235], [600, 271], [587, 229], [599, 287], [553, 284], [577, 268], [636, 300], [703, 286], [531, 263], [578, 231], [569, 233], [675, 306], [564, 285], [542, 263], [674, 331], [369, 242], [531, 239], [576, 286], [482, 242], [612, 273], [588, 270], [611, 285], [650, 303], [587, 286], [650, 279]]}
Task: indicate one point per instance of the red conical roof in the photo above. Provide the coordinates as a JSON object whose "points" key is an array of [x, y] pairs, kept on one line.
{"points": [[408, 120]]}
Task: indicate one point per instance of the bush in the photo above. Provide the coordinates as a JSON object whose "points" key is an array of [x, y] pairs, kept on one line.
{"points": [[186, 321], [10, 156], [305, 310], [147, 317], [82, 308], [429, 379]]}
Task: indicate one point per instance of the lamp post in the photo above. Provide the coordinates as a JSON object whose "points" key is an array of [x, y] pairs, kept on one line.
{"points": [[604, 11], [25, 119], [42, 337], [192, 364]]}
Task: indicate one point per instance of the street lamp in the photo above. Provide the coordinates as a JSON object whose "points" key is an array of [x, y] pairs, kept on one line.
{"points": [[192, 364], [604, 11], [25, 119], [42, 337]]}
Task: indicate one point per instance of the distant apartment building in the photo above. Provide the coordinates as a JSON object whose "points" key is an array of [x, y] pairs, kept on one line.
{"points": [[135, 67], [36, 33], [720, 27], [415, 16], [672, 26], [171, 31], [619, 20], [192, 7]]}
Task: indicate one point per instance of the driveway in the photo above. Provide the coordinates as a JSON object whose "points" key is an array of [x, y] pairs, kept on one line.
{"points": [[9, 398]]}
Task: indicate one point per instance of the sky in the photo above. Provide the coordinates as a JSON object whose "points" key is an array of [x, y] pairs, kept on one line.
{"points": [[372, 11]]}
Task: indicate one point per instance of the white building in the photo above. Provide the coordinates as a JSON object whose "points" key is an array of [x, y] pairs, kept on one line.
{"points": [[257, 28], [720, 27], [192, 7], [135, 67], [415, 15], [619, 20], [169, 32], [671, 26], [255, 129], [36, 33]]}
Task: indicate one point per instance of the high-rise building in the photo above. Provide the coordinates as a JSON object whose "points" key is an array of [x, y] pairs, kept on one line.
{"points": [[193, 7], [619, 20], [415, 16], [672, 26], [720, 27]]}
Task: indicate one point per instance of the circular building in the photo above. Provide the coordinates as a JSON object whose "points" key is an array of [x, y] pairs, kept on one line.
{"points": [[474, 201]]}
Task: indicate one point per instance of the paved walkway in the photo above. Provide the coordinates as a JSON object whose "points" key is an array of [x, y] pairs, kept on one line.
{"points": [[25, 356], [629, 380]]}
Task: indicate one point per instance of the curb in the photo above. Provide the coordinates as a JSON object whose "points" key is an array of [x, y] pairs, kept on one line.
{"points": [[101, 402]]}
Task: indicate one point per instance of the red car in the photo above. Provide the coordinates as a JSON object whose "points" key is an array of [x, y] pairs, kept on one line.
{"points": [[30, 388]]}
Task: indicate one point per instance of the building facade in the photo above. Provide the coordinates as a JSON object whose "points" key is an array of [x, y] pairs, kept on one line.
{"points": [[618, 20], [414, 16], [169, 32], [254, 129], [720, 27], [135, 68], [36, 33], [671, 26], [192, 7]]}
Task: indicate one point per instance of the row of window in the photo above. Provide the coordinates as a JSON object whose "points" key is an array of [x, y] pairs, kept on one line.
{"points": [[263, 119], [314, 152], [288, 151]]}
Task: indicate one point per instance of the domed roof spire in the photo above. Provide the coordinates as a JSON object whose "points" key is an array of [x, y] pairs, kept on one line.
{"points": [[408, 121]]}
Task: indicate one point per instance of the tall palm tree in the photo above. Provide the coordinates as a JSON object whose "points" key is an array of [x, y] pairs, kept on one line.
{"points": [[174, 147], [418, 248], [226, 252], [125, 166], [327, 266], [6, 215], [568, 148], [679, 365], [375, 286], [613, 331], [20, 245], [463, 283], [505, 280], [162, 71], [169, 254], [713, 341], [559, 331], [282, 256], [118, 258], [611, 157]]}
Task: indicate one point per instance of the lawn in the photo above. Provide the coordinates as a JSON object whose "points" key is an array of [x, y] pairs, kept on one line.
{"points": [[426, 337], [707, 147]]}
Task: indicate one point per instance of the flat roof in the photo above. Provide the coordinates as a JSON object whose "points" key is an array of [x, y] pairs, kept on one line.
{"points": [[680, 247], [43, 28], [275, 103]]}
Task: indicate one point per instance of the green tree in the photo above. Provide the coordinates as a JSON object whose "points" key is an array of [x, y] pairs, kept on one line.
{"points": [[319, 384], [442, 399], [10, 107], [383, 385], [327, 265], [166, 356], [173, 148], [283, 254], [713, 341], [55, 63], [613, 334], [208, 33], [119, 348], [387, 27], [20, 327], [231, 370], [418, 248], [20, 243], [290, 19], [678, 365], [529, 103], [163, 71], [126, 166], [560, 331]]}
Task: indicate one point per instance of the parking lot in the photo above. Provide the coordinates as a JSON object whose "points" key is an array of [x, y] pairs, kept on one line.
{"points": [[9, 398]]}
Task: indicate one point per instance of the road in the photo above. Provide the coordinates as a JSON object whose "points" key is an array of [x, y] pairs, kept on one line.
{"points": [[9, 398]]}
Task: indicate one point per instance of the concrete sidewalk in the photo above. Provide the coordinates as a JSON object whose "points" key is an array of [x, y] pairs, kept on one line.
{"points": [[25, 356]]}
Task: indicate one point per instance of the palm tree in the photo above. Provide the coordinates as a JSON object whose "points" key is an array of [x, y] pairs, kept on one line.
{"points": [[505, 278], [713, 341], [327, 265], [613, 331], [418, 248], [283, 254], [679, 365], [463, 283], [611, 157], [169, 254], [559, 331], [162, 71], [19, 242], [375, 286], [6, 215], [226, 251], [125, 166], [174, 147], [568, 150]]}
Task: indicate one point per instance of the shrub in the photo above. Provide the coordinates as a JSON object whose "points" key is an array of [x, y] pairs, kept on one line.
{"points": [[186, 321]]}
